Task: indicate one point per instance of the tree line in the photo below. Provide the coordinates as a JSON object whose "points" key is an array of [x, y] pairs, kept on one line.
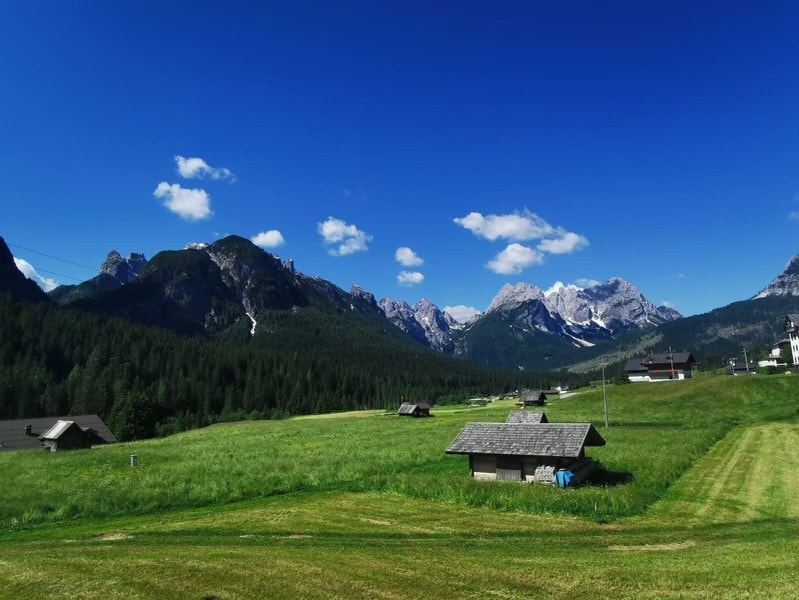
{"points": [[145, 381]]}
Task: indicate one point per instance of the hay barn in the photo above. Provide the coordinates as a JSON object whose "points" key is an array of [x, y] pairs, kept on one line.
{"points": [[531, 452]]}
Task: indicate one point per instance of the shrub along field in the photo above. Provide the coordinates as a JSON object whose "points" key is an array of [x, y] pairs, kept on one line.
{"points": [[699, 499]]}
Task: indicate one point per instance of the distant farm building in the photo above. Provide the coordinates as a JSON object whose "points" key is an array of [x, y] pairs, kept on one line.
{"points": [[407, 409], [34, 434], [741, 367], [531, 452], [526, 416], [532, 398], [666, 366]]}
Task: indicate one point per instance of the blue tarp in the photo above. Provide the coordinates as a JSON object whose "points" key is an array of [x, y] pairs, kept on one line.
{"points": [[563, 478]]}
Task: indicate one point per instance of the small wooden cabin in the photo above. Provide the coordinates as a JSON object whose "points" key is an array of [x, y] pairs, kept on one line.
{"points": [[531, 452], [65, 435], [532, 398], [407, 409], [526, 416]]}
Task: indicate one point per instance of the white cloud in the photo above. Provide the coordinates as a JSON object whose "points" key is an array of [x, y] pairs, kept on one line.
{"points": [[566, 244], [268, 239], [407, 257], [410, 278], [794, 215], [461, 313], [587, 283], [345, 238], [514, 259], [523, 225], [188, 204], [667, 304], [558, 285], [197, 168], [28, 271]]}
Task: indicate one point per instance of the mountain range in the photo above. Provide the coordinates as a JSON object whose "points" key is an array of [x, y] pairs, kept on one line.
{"points": [[233, 285]]}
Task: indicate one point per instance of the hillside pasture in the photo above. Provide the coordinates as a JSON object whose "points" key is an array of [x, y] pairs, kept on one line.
{"points": [[705, 506]]}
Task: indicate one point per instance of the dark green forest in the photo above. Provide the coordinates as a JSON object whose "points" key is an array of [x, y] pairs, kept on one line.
{"points": [[145, 381]]}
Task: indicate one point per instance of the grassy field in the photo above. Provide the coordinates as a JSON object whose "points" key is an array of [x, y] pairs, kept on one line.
{"points": [[702, 501]]}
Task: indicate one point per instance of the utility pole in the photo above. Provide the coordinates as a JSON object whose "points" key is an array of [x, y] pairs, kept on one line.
{"points": [[605, 393], [746, 362], [671, 358]]}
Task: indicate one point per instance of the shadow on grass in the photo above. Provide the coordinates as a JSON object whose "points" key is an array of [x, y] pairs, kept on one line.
{"points": [[605, 478]]}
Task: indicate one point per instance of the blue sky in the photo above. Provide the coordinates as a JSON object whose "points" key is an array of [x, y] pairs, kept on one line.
{"points": [[417, 149]]}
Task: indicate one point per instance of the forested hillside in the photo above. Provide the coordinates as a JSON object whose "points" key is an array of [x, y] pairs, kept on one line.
{"points": [[146, 381]]}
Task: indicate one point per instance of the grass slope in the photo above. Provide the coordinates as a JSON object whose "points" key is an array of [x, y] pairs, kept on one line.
{"points": [[372, 508]]}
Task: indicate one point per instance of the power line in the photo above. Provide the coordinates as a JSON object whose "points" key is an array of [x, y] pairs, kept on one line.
{"points": [[58, 274], [93, 269]]}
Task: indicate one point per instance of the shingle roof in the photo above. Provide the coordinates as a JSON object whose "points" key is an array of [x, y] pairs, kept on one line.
{"points": [[666, 358], [12, 433], [635, 364], [525, 439], [406, 408], [526, 416]]}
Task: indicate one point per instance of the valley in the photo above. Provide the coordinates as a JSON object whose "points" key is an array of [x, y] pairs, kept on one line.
{"points": [[367, 505]]}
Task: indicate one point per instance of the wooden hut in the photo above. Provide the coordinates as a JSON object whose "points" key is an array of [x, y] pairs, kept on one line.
{"points": [[532, 398], [408, 409], [24, 434], [531, 452], [65, 435], [526, 416]]}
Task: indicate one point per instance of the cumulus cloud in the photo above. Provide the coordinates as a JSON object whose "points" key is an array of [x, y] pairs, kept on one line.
{"points": [[197, 168], [30, 272], [410, 278], [565, 244], [342, 237], [268, 239], [555, 287], [523, 225], [514, 259], [461, 313], [407, 257], [188, 204], [667, 304]]}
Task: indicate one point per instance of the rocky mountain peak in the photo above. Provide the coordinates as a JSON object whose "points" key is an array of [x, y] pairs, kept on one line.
{"points": [[123, 270], [423, 321], [512, 296], [359, 292], [785, 284]]}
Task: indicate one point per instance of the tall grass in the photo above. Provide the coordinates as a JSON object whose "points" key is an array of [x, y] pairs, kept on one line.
{"points": [[657, 432]]}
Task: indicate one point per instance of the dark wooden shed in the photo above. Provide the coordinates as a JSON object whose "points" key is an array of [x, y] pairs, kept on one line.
{"points": [[65, 435], [407, 409], [532, 398], [531, 452]]}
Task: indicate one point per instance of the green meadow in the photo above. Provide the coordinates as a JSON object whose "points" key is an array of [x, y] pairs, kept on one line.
{"points": [[698, 498]]}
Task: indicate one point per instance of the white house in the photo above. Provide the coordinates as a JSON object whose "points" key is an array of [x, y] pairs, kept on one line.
{"points": [[792, 329], [776, 356]]}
